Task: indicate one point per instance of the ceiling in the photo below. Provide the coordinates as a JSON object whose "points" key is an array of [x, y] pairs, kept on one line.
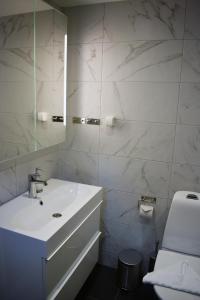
{"points": [[14, 7], [67, 3]]}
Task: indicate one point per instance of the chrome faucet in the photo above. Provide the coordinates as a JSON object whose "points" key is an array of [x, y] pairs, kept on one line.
{"points": [[35, 184]]}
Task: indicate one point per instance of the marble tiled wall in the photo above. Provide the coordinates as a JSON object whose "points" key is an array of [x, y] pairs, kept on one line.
{"points": [[139, 61], [17, 63]]}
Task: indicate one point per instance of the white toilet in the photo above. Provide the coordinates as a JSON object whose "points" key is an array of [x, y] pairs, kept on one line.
{"points": [[181, 240]]}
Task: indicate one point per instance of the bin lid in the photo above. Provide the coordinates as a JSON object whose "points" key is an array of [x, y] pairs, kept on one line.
{"points": [[130, 257]]}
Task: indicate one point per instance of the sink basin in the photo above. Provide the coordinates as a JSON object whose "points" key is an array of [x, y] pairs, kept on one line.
{"points": [[37, 213], [34, 217], [55, 238]]}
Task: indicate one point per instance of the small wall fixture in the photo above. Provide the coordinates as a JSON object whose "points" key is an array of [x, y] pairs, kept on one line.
{"points": [[110, 121], [89, 121], [59, 119], [42, 116]]}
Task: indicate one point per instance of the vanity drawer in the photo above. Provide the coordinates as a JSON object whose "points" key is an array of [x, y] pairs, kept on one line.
{"points": [[75, 278], [60, 261]]}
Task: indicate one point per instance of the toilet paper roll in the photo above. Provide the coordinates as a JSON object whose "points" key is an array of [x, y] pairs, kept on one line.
{"points": [[146, 211]]}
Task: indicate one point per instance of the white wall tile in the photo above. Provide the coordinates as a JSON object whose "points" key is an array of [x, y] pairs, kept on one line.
{"points": [[83, 138], [49, 133], [187, 144], [185, 178], [60, 28], [191, 61], [84, 99], [17, 31], [16, 64], [86, 24], [134, 175], [84, 62], [8, 184], [192, 30], [138, 139], [44, 28], [15, 98], [189, 104], [44, 63], [122, 207], [17, 128], [59, 61], [78, 166], [156, 102], [144, 20], [142, 61], [9, 150], [48, 164], [50, 97], [22, 171], [119, 236], [161, 214]]}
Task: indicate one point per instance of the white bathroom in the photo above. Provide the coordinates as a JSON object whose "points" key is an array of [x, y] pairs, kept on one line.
{"points": [[99, 149]]}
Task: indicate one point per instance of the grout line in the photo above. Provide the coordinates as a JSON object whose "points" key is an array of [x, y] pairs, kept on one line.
{"points": [[100, 99], [99, 154], [122, 81], [129, 157], [135, 194], [126, 42], [177, 114], [107, 155]]}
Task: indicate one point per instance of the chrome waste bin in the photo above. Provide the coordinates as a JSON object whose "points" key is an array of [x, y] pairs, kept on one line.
{"points": [[129, 269]]}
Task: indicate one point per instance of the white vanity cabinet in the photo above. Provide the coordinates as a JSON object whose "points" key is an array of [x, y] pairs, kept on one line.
{"points": [[51, 263]]}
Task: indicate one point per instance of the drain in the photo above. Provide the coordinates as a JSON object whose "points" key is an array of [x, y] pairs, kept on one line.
{"points": [[192, 196], [57, 215]]}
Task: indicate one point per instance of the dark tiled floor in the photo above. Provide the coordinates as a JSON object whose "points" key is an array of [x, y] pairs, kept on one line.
{"points": [[101, 285]]}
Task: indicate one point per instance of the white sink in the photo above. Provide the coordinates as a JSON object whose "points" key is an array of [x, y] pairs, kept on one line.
{"points": [[34, 217], [56, 197], [55, 238]]}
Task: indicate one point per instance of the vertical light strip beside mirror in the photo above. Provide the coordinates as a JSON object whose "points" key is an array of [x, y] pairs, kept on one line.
{"points": [[65, 82], [34, 76]]}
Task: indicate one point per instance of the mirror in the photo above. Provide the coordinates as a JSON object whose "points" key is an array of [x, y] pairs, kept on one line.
{"points": [[33, 51]]}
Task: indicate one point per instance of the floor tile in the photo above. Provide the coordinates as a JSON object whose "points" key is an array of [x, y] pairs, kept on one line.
{"points": [[101, 285]]}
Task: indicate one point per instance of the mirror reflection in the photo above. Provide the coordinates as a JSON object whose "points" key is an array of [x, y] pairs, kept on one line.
{"points": [[33, 47]]}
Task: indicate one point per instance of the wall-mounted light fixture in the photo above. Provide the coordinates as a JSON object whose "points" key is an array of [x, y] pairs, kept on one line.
{"points": [[65, 82]]}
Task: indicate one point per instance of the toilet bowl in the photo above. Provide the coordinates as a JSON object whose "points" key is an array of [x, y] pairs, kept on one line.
{"points": [[181, 241]]}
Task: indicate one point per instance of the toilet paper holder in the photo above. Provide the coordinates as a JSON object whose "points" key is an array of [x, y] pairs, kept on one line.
{"points": [[147, 200]]}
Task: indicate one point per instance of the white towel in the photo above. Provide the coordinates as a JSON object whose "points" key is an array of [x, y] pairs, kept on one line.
{"points": [[179, 276]]}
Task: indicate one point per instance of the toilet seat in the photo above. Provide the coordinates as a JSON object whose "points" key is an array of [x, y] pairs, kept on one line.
{"points": [[166, 258]]}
